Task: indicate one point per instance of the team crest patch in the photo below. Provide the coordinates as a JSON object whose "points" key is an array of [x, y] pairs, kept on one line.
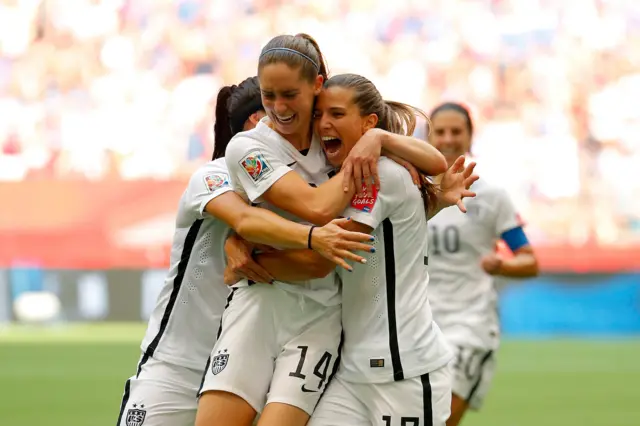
{"points": [[216, 180], [256, 166], [365, 202], [219, 362], [136, 415]]}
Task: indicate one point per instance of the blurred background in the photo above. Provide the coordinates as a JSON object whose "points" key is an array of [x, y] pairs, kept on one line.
{"points": [[106, 108]]}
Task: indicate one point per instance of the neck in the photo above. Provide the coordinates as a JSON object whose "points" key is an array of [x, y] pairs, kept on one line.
{"points": [[300, 140]]}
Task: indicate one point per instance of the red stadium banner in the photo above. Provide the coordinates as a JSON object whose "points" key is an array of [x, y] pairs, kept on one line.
{"points": [[118, 224]]}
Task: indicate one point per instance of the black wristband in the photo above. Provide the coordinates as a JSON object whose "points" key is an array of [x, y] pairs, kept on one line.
{"points": [[309, 239]]}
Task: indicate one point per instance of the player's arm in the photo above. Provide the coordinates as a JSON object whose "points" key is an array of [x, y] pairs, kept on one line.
{"points": [[299, 265], [280, 186], [509, 228], [523, 264], [257, 225], [400, 148], [420, 153]]}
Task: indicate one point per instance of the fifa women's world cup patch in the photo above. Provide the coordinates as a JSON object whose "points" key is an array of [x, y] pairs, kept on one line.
{"points": [[216, 180], [256, 166], [365, 202]]}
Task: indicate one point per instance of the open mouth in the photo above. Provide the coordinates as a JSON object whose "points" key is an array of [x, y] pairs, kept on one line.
{"points": [[331, 145], [285, 119]]}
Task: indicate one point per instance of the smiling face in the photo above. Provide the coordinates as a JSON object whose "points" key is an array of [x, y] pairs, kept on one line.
{"points": [[450, 134], [339, 123], [288, 98]]}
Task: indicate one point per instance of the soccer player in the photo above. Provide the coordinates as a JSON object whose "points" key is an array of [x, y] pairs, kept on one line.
{"points": [[182, 327], [394, 360], [462, 262], [279, 343]]}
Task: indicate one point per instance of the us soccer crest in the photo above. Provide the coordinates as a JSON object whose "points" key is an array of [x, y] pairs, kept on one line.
{"points": [[256, 166], [219, 362], [135, 416], [215, 181]]}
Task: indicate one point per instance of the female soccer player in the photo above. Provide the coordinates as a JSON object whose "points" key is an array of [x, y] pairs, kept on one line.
{"points": [[462, 262], [394, 361], [278, 343], [182, 327]]}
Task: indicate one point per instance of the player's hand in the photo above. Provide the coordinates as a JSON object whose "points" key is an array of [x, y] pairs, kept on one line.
{"points": [[230, 278], [455, 184], [361, 165], [240, 262], [336, 244], [415, 174], [491, 263]]}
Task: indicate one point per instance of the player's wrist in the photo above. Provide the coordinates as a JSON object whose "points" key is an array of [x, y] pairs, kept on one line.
{"points": [[312, 237]]}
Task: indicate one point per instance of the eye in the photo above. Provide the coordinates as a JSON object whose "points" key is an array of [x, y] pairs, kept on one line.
{"points": [[338, 114], [267, 95], [317, 114], [289, 95]]}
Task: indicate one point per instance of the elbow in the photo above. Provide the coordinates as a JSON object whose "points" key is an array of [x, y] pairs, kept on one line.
{"points": [[535, 269], [439, 165]]}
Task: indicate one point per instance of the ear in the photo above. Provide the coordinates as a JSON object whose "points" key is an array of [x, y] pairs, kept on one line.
{"points": [[317, 85], [253, 120], [370, 122]]}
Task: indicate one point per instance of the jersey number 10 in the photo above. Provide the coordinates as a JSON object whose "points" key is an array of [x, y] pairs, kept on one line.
{"points": [[447, 239]]}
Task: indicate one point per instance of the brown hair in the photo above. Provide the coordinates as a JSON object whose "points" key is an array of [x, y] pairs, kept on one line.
{"points": [[234, 106], [394, 117], [299, 51], [457, 107]]}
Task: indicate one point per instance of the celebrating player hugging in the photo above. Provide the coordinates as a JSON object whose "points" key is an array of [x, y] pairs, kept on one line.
{"points": [[183, 325], [279, 343], [297, 173]]}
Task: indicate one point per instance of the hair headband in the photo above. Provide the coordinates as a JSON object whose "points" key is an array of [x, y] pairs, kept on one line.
{"points": [[286, 49]]}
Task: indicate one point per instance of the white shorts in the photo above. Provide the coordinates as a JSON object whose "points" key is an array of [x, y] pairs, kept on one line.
{"points": [[274, 346], [161, 394], [473, 371], [419, 401]]}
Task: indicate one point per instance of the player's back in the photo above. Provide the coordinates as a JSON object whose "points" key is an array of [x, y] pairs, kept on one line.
{"points": [[183, 326], [387, 321], [260, 157], [462, 295]]}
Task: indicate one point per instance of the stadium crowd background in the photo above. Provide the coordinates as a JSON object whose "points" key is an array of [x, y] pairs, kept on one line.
{"points": [[123, 89]]}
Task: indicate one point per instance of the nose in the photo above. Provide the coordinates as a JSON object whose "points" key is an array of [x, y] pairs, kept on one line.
{"points": [[324, 123], [448, 137], [280, 107]]}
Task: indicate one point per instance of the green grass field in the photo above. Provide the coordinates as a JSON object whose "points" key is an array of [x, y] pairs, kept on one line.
{"points": [[75, 377]]}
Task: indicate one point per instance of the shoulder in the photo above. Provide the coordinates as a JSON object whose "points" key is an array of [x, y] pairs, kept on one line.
{"points": [[212, 175], [489, 191], [393, 174]]}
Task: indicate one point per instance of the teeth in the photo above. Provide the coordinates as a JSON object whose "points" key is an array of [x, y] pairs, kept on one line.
{"points": [[329, 138], [285, 118]]}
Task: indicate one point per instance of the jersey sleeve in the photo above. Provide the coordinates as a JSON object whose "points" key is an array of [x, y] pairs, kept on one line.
{"points": [[372, 210], [507, 216], [253, 166], [207, 183]]}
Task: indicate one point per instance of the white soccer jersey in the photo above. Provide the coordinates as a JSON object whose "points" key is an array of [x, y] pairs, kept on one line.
{"points": [[257, 159], [389, 332], [462, 295], [184, 324]]}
